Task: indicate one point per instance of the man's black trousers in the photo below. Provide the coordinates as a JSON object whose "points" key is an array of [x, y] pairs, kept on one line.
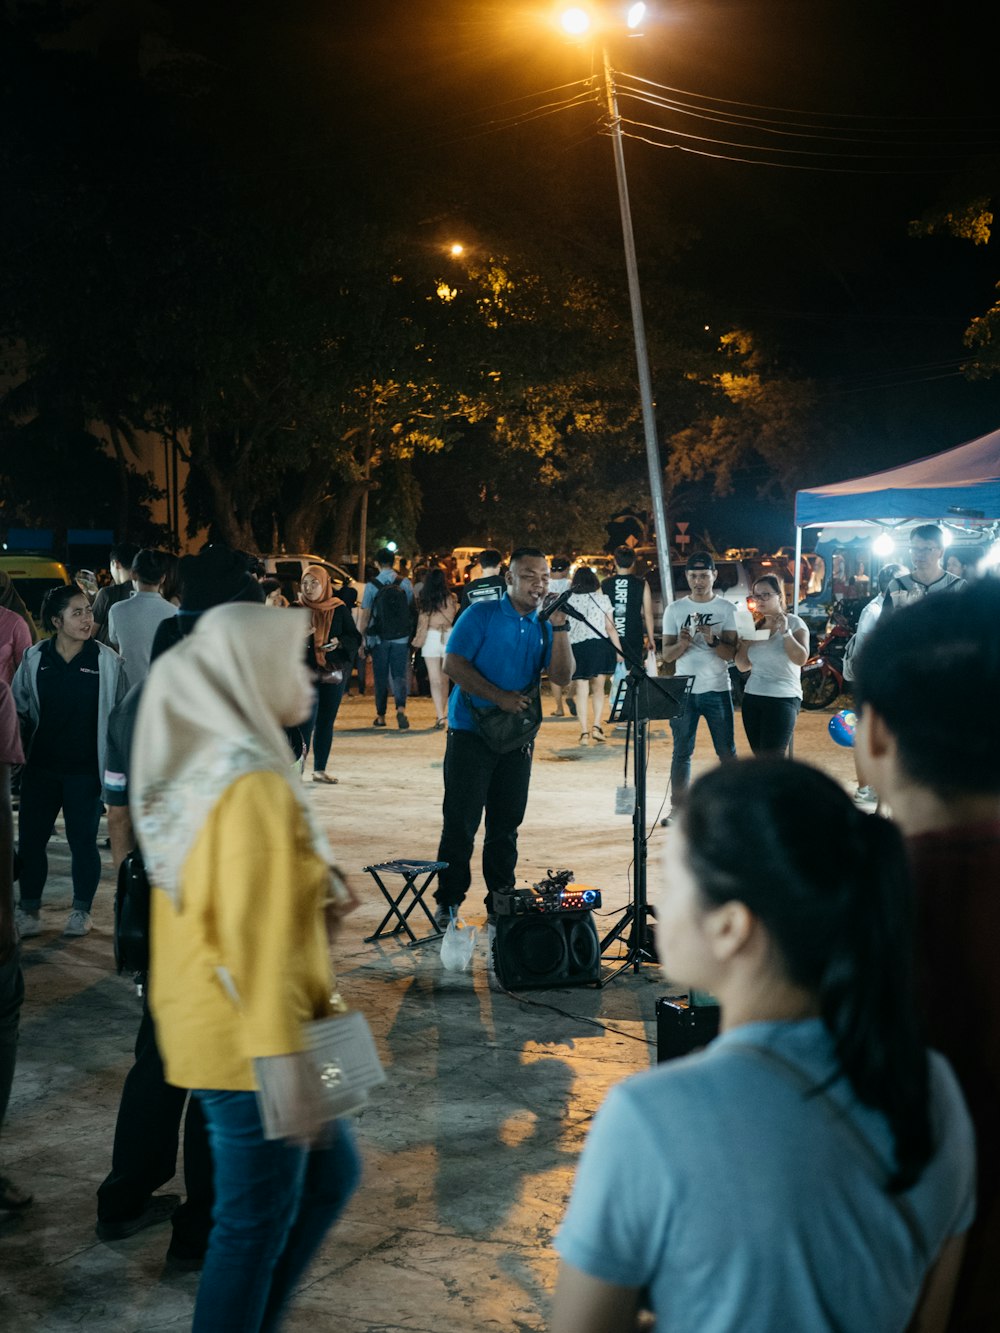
{"points": [[477, 779], [146, 1140]]}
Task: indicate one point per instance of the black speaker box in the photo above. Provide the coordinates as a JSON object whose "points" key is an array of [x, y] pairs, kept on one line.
{"points": [[547, 949], [682, 1027]]}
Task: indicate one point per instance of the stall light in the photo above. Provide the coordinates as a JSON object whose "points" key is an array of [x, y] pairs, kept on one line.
{"points": [[636, 14], [991, 560], [946, 538], [883, 544]]}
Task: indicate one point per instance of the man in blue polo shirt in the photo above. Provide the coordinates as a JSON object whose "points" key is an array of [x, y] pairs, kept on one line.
{"points": [[496, 651]]}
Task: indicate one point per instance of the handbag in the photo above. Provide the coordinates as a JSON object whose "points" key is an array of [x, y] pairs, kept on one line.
{"points": [[330, 675], [503, 732], [342, 1051]]}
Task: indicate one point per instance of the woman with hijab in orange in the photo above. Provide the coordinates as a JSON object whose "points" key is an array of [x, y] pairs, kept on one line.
{"points": [[332, 649]]}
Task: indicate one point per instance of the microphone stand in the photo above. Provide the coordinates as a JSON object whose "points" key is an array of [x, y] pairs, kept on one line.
{"points": [[645, 697]]}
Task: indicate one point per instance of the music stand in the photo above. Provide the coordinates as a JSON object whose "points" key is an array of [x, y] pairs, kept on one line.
{"points": [[641, 698]]}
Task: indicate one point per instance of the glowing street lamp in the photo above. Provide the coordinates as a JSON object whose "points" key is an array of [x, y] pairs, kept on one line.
{"points": [[456, 249], [578, 22]]}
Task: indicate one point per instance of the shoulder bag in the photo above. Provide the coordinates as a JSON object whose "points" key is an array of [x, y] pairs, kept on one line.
{"points": [[503, 732]]}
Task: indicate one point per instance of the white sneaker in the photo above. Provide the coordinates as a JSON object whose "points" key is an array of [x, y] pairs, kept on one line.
{"points": [[77, 923], [28, 923]]}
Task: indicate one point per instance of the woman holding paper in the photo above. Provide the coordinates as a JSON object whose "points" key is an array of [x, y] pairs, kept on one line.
{"points": [[774, 657]]}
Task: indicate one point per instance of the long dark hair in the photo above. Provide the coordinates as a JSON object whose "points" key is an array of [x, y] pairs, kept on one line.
{"points": [[842, 923], [55, 602], [434, 592]]}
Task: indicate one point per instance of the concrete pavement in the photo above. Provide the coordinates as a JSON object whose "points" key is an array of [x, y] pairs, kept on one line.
{"points": [[470, 1146]]}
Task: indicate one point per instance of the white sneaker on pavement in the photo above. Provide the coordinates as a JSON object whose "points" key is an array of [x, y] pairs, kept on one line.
{"points": [[77, 923], [28, 923]]}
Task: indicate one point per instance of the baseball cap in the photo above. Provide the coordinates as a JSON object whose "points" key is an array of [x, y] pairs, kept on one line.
{"points": [[700, 560]]}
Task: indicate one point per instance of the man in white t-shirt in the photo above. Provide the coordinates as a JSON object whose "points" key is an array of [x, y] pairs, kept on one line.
{"points": [[699, 636]]}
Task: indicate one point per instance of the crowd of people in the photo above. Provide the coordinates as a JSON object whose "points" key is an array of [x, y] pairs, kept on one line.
{"points": [[826, 1163]]}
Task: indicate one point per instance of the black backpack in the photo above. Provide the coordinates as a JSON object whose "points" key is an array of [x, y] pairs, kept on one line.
{"points": [[390, 617]]}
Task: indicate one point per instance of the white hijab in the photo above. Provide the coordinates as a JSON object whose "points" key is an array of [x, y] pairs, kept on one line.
{"points": [[209, 714]]}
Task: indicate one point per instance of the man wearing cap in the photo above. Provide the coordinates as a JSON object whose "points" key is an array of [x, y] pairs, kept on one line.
{"points": [[699, 637]]}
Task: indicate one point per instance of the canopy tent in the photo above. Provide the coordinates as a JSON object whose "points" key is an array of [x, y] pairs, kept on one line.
{"points": [[963, 482], [958, 484]]}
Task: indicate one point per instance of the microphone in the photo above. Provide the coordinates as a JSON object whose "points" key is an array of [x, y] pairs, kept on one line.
{"points": [[559, 604]]}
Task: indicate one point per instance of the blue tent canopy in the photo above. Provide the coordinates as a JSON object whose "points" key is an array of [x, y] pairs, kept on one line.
{"points": [[962, 483]]}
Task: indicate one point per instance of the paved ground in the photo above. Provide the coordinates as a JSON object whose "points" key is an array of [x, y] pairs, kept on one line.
{"points": [[469, 1148]]}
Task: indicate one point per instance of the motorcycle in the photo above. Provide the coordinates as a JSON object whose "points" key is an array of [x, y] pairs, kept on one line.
{"points": [[823, 673]]}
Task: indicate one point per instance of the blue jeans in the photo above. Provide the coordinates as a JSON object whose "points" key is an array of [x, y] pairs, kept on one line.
{"points": [[274, 1203], [716, 707], [390, 664]]}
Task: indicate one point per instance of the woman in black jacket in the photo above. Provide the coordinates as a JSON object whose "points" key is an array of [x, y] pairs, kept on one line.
{"points": [[333, 647]]}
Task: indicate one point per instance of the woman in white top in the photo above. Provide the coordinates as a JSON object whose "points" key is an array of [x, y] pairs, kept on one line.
{"points": [[594, 658], [437, 609], [773, 694], [559, 582]]}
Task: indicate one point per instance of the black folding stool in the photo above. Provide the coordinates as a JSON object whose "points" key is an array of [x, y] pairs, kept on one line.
{"points": [[410, 871]]}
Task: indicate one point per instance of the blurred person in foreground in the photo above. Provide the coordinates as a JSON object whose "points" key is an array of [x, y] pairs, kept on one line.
{"points": [[10, 600], [812, 1170], [928, 741], [12, 1197], [244, 901], [147, 1128]]}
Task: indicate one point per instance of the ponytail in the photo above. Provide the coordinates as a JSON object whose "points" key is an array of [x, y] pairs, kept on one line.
{"points": [[867, 992], [843, 926]]}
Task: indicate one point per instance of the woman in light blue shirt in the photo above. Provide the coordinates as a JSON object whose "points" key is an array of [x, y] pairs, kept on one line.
{"points": [[812, 1170]]}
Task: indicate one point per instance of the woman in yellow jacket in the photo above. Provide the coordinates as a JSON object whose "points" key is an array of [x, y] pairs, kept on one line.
{"points": [[244, 896]]}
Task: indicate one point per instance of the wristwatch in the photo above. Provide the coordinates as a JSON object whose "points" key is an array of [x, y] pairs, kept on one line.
{"points": [[560, 629]]}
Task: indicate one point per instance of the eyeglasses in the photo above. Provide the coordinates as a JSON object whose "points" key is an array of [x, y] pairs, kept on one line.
{"points": [[924, 550], [763, 596]]}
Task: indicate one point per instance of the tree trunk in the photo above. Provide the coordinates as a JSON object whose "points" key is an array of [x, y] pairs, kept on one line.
{"points": [[232, 519]]}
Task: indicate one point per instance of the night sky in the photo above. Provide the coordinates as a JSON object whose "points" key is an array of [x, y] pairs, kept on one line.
{"points": [[807, 247], [818, 258]]}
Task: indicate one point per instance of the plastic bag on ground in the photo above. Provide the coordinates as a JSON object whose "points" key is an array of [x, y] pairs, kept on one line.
{"points": [[457, 946]]}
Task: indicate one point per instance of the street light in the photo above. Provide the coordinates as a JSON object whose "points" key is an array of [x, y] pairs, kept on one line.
{"points": [[579, 22]]}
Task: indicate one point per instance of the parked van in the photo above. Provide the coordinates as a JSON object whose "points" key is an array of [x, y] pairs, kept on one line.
{"points": [[32, 577], [466, 557]]}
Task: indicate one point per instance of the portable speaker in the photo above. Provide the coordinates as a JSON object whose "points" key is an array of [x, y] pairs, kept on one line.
{"points": [[547, 949], [683, 1026]]}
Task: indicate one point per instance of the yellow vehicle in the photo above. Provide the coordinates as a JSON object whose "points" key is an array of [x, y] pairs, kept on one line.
{"points": [[32, 577]]}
